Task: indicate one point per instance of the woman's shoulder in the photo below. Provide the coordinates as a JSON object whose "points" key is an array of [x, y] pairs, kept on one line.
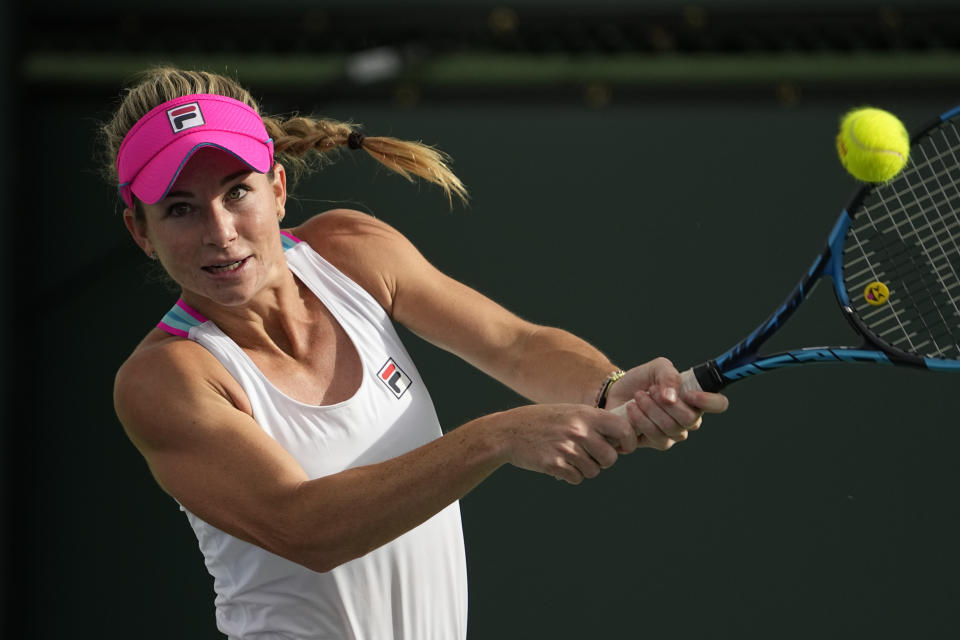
{"points": [[160, 355], [366, 249], [171, 366], [342, 226]]}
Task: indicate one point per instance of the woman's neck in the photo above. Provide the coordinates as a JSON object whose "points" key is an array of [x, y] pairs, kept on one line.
{"points": [[277, 318]]}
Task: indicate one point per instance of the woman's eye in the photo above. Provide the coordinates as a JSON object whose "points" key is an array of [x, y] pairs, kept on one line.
{"points": [[238, 192], [179, 209]]}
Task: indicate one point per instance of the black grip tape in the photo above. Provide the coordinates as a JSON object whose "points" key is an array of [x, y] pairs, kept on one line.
{"points": [[709, 376]]}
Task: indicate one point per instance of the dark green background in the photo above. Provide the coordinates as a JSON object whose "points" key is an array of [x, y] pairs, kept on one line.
{"points": [[821, 505]]}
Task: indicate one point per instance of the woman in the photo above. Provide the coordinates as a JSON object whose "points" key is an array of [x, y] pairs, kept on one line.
{"points": [[277, 405]]}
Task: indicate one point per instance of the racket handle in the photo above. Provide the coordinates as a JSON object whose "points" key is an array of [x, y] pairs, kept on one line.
{"points": [[688, 382]]}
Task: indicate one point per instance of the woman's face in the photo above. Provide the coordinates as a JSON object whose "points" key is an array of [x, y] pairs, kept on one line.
{"points": [[217, 230]]}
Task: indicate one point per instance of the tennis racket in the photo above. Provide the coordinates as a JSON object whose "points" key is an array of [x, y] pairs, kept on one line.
{"points": [[894, 259]]}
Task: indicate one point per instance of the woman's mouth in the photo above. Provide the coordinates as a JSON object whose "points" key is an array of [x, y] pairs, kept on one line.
{"points": [[226, 267]]}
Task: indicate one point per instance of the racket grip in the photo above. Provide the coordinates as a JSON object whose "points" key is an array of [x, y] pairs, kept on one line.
{"points": [[688, 382]]}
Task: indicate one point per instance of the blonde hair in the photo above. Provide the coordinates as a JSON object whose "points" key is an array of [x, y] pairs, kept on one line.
{"points": [[301, 143]]}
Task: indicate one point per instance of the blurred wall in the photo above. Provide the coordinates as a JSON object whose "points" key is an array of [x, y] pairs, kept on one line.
{"points": [[821, 505]]}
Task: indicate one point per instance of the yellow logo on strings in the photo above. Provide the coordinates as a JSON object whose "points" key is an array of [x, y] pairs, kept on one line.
{"points": [[876, 293]]}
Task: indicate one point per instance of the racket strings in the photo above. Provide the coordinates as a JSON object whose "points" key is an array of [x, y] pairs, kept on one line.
{"points": [[912, 319], [947, 212], [918, 311], [906, 235]]}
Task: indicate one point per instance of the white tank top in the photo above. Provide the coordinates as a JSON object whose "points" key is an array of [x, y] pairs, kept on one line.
{"points": [[413, 588]]}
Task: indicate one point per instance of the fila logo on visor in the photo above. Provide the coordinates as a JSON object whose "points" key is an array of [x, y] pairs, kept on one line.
{"points": [[394, 378], [185, 116]]}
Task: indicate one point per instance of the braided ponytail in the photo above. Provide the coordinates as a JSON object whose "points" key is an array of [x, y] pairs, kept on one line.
{"points": [[300, 140]]}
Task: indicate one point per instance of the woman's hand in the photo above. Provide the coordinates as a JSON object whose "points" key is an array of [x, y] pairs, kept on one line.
{"points": [[659, 411], [567, 441]]}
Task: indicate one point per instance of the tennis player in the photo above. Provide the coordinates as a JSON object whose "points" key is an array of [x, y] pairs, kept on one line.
{"points": [[276, 404]]}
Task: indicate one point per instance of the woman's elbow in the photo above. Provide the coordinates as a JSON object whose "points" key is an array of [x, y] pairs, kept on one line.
{"points": [[317, 550]]}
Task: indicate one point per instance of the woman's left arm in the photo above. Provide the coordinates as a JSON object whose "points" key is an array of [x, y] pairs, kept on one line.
{"points": [[541, 363], [544, 364]]}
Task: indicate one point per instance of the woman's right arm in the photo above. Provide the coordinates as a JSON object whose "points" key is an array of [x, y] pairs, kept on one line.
{"points": [[180, 408]]}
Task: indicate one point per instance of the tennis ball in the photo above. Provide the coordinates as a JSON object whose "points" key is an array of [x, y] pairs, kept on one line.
{"points": [[873, 144]]}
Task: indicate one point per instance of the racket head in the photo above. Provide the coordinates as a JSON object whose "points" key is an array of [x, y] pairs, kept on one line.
{"points": [[895, 254]]}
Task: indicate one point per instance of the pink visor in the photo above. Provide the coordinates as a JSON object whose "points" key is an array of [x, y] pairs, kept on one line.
{"points": [[159, 145]]}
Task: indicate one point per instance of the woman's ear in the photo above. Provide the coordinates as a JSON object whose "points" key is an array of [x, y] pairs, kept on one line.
{"points": [[138, 230], [280, 189]]}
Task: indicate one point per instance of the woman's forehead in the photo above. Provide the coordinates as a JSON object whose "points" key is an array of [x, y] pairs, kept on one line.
{"points": [[210, 164]]}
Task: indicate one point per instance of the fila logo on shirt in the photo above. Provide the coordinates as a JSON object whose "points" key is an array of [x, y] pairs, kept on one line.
{"points": [[394, 378], [185, 116]]}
